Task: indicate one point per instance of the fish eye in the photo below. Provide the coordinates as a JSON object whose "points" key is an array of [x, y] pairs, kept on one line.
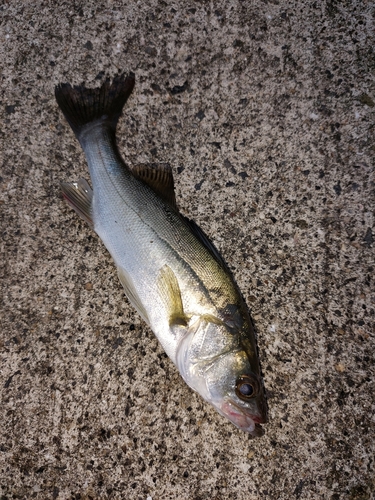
{"points": [[247, 387], [246, 390]]}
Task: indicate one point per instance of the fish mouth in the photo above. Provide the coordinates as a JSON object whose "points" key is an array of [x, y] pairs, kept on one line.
{"points": [[244, 421]]}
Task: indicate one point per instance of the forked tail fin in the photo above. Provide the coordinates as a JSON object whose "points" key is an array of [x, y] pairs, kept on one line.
{"points": [[82, 106]]}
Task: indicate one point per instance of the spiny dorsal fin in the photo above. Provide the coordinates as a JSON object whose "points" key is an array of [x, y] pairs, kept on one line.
{"points": [[204, 239], [159, 178]]}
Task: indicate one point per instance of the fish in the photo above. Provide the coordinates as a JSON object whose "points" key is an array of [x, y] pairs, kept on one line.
{"points": [[171, 272]]}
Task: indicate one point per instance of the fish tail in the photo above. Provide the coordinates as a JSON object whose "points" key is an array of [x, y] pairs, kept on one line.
{"points": [[82, 106]]}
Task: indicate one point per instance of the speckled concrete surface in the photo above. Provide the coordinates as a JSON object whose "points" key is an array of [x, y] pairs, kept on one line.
{"points": [[265, 110]]}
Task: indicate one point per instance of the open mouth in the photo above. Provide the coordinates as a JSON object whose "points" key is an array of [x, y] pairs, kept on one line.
{"points": [[245, 422]]}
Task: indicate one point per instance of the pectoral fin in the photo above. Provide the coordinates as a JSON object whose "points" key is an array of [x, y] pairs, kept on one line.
{"points": [[132, 294], [170, 293]]}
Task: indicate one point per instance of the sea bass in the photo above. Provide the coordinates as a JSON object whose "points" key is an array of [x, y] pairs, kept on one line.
{"points": [[172, 274]]}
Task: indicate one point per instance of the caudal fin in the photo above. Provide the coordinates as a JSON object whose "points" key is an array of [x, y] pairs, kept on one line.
{"points": [[82, 106]]}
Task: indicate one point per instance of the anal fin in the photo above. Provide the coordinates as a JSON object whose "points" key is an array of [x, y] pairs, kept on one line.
{"points": [[79, 195]]}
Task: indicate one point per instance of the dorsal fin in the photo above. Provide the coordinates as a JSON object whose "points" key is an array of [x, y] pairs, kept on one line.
{"points": [[159, 178], [204, 239]]}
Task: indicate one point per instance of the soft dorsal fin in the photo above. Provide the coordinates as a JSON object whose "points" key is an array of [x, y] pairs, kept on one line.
{"points": [[159, 178]]}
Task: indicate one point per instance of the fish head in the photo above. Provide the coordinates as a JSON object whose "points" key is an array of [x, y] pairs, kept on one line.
{"points": [[236, 391], [225, 371]]}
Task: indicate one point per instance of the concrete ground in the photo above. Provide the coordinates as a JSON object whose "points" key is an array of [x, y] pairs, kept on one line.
{"points": [[265, 111]]}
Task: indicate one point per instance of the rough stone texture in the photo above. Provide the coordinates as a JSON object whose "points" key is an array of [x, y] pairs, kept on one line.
{"points": [[265, 110]]}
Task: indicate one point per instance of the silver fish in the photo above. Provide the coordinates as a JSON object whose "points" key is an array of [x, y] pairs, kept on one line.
{"points": [[172, 274]]}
